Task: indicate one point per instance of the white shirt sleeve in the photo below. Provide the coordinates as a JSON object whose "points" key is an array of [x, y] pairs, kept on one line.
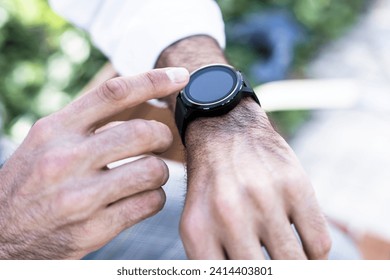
{"points": [[133, 33]]}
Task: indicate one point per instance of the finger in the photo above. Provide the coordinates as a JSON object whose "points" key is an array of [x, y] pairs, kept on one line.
{"points": [[281, 241], [133, 209], [108, 126], [248, 248], [239, 238], [209, 249], [110, 221], [197, 244], [119, 94], [132, 138], [142, 175], [312, 229]]}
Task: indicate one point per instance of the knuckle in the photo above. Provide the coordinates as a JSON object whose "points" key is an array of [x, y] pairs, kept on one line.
{"points": [[114, 90], [152, 133], [262, 197], [49, 165], [144, 206], [326, 244], [70, 206], [158, 169], [185, 227], [187, 233], [141, 129], [165, 137], [191, 226], [42, 129], [152, 80], [320, 242], [322, 246], [156, 200], [296, 185], [54, 162], [225, 210], [266, 206], [62, 204]]}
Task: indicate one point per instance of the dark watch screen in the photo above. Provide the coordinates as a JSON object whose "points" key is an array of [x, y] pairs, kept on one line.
{"points": [[211, 85]]}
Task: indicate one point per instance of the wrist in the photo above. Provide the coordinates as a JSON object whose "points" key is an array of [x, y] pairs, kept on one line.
{"points": [[215, 143], [246, 120]]}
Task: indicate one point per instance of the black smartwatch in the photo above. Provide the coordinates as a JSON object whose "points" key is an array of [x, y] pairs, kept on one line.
{"points": [[213, 90]]}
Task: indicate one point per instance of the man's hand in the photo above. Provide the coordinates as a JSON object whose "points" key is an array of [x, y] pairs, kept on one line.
{"points": [[58, 199], [245, 188], [245, 185]]}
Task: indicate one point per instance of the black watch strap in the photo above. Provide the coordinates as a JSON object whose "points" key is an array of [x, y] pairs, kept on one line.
{"points": [[181, 117]]}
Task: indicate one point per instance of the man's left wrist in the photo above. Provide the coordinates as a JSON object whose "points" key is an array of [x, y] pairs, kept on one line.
{"points": [[245, 119]]}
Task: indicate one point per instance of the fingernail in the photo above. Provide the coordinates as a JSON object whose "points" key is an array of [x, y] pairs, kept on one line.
{"points": [[178, 75]]}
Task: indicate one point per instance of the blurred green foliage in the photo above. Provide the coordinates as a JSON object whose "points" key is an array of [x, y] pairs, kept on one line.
{"points": [[323, 21], [44, 61]]}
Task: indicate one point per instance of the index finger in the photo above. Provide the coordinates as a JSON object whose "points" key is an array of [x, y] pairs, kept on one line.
{"points": [[119, 94]]}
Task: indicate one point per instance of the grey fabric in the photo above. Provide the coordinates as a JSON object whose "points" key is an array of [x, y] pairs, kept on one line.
{"points": [[343, 247]]}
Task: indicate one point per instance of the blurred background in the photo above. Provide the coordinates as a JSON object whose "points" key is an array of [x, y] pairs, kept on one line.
{"points": [[45, 62]]}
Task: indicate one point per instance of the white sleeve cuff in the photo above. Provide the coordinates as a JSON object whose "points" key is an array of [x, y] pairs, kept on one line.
{"points": [[133, 33]]}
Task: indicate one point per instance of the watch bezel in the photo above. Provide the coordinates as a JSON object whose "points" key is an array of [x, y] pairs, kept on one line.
{"points": [[187, 109], [220, 102]]}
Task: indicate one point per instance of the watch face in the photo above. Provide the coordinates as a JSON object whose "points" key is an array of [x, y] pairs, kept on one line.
{"points": [[211, 84]]}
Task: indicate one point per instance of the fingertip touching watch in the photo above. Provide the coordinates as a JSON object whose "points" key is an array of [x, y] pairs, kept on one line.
{"points": [[213, 90]]}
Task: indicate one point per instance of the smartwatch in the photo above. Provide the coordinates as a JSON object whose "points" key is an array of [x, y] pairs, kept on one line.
{"points": [[213, 90]]}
